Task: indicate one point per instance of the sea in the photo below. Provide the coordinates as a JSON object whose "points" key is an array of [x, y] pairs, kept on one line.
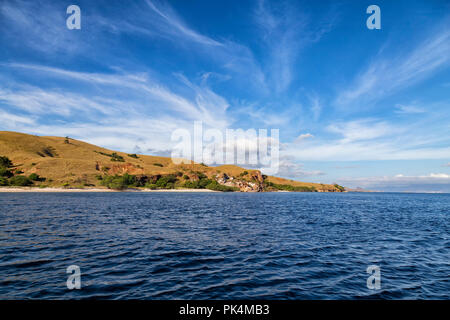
{"points": [[136, 245]]}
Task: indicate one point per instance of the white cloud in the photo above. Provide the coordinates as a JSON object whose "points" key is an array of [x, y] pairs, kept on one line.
{"points": [[8, 120], [137, 110], [433, 182], [408, 109], [170, 23], [302, 137], [290, 168], [363, 129]]}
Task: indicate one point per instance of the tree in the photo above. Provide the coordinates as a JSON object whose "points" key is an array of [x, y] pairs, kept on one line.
{"points": [[5, 162], [20, 181]]}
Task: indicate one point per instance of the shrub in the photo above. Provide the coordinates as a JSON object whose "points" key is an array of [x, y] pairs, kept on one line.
{"points": [[3, 182], [134, 155], [186, 177], [35, 177], [178, 173], [5, 173], [214, 185], [5, 162], [340, 188], [287, 187], [151, 186], [119, 182], [244, 173], [165, 180], [158, 164], [201, 175], [170, 185], [117, 158], [20, 181]]}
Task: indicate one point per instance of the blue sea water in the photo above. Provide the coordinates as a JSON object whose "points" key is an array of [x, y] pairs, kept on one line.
{"points": [[224, 245]]}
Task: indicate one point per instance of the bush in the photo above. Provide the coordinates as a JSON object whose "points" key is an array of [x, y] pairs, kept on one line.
{"points": [[244, 173], [214, 185], [134, 155], [158, 164], [4, 182], [186, 177], [119, 182], [5, 162], [340, 188], [20, 181], [35, 177], [117, 158], [151, 186], [165, 180], [287, 187], [5, 173]]}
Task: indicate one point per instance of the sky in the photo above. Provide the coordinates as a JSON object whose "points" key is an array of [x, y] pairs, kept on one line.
{"points": [[359, 107]]}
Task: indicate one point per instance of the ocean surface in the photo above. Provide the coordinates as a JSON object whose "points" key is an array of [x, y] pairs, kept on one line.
{"points": [[224, 245]]}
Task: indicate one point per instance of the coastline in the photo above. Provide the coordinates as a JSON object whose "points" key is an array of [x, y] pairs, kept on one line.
{"points": [[66, 190]]}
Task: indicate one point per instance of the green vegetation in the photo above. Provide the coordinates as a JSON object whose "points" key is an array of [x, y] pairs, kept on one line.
{"points": [[340, 188], [114, 156], [4, 182], [5, 162], [35, 177], [13, 178], [287, 187], [166, 182], [120, 182], [205, 183], [20, 181], [134, 155], [214, 185], [243, 173], [4, 172]]}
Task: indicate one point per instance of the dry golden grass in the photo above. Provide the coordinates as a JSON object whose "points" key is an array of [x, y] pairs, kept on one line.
{"points": [[78, 163]]}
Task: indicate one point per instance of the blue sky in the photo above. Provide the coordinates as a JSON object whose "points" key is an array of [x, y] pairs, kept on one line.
{"points": [[363, 108]]}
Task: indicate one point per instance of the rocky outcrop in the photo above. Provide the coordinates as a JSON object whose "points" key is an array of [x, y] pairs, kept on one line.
{"points": [[121, 169], [243, 185]]}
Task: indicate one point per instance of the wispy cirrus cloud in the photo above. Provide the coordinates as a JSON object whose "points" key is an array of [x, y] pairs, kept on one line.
{"points": [[286, 29], [408, 109], [372, 139], [79, 105], [386, 75], [170, 24]]}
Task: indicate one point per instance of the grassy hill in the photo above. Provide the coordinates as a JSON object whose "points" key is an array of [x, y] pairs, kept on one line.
{"points": [[65, 162]]}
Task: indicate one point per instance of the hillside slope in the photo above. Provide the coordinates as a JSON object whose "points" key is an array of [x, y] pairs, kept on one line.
{"points": [[73, 163]]}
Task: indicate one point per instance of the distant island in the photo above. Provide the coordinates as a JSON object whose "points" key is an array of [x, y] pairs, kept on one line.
{"points": [[69, 164]]}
